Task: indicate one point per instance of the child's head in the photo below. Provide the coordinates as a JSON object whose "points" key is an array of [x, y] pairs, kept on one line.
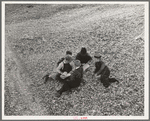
{"points": [[97, 56], [77, 63], [83, 50], [68, 59], [68, 53]]}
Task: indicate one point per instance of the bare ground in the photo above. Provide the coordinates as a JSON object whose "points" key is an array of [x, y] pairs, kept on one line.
{"points": [[38, 35]]}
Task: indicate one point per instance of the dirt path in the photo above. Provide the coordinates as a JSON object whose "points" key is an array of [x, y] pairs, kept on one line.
{"points": [[19, 80]]}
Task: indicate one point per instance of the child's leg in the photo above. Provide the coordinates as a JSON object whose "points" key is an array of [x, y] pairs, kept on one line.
{"points": [[53, 76], [64, 88], [46, 79], [111, 80], [105, 81], [58, 78]]}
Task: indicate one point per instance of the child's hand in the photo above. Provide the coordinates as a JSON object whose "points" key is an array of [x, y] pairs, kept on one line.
{"points": [[64, 74], [97, 76]]}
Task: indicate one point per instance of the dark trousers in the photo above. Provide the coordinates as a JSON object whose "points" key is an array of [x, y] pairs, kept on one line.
{"points": [[64, 88], [68, 85]]}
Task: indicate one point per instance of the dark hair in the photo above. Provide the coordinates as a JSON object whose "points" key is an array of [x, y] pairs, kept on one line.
{"points": [[68, 53], [98, 57], [83, 50], [68, 58]]}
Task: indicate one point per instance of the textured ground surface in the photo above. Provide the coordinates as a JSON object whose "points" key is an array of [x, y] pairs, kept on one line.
{"points": [[38, 35]]}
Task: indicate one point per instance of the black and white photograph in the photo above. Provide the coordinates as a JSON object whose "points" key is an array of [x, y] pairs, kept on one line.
{"points": [[75, 60]]}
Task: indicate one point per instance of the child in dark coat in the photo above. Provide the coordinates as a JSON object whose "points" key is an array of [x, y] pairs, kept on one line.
{"points": [[74, 80], [84, 58], [102, 71]]}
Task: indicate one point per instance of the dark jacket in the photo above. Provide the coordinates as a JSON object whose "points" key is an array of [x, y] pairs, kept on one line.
{"points": [[105, 71], [73, 81], [83, 58], [75, 78]]}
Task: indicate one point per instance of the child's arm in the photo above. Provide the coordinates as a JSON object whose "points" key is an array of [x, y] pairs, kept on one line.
{"points": [[65, 75], [59, 67], [101, 69], [73, 66]]}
